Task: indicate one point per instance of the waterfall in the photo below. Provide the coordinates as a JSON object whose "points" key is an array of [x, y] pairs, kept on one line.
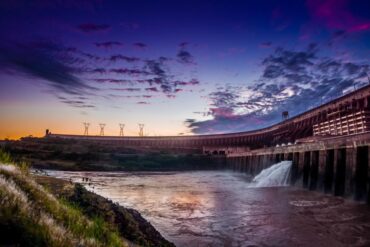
{"points": [[276, 175]]}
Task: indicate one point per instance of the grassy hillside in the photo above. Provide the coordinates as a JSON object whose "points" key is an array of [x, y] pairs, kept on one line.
{"points": [[31, 215]]}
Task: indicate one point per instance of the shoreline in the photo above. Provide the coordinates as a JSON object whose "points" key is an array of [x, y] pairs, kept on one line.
{"points": [[130, 223]]}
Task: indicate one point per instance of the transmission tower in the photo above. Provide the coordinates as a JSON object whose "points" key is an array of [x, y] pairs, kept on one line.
{"points": [[121, 127], [86, 128], [141, 129], [102, 129]]}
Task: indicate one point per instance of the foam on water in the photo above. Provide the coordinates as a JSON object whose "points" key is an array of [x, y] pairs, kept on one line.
{"points": [[276, 175]]}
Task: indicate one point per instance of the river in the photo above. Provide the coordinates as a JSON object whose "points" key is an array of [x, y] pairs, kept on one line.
{"points": [[221, 208]]}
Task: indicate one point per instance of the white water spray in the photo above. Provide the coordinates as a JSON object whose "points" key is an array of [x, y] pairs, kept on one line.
{"points": [[276, 175]]}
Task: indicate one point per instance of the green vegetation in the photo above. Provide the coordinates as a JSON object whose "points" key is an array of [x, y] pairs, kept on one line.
{"points": [[63, 214], [128, 221], [29, 215], [88, 156]]}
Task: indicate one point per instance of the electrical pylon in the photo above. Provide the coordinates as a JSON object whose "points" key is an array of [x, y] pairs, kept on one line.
{"points": [[86, 128], [141, 129], [121, 127], [102, 125]]}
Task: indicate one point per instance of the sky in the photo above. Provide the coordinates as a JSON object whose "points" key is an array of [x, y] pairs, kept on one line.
{"points": [[179, 67]]}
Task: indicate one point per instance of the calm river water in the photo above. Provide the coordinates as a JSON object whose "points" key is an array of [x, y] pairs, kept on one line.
{"points": [[219, 208]]}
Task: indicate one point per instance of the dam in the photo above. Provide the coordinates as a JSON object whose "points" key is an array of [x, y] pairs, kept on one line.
{"points": [[328, 145]]}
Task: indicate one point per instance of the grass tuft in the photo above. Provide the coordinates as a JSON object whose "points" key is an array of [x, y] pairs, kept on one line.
{"points": [[30, 215]]}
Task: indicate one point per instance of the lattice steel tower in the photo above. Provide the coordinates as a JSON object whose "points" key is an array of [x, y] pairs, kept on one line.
{"points": [[102, 125], [86, 128], [141, 129], [121, 127]]}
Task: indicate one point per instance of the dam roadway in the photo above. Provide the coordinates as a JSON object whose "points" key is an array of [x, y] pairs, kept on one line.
{"points": [[328, 145]]}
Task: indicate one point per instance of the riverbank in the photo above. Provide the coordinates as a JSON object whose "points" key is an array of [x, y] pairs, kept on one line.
{"points": [[69, 155], [43, 211], [129, 222]]}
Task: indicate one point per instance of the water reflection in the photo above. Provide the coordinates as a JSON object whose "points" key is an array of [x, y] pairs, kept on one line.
{"points": [[217, 208]]}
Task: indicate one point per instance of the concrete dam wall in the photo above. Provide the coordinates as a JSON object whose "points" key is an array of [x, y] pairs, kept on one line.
{"points": [[337, 165]]}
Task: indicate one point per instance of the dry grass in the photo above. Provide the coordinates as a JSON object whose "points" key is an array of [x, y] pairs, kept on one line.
{"points": [[41, 219]]}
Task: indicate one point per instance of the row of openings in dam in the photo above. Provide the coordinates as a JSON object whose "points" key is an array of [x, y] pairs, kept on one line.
{"points": [[340, 171]]}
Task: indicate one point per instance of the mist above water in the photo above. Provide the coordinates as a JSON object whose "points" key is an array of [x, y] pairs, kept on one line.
{"points": [[276, 175]]}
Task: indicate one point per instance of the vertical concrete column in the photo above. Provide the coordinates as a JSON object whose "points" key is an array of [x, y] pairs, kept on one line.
{"points": [[232, 163], [350, 171], [314, 171], [361, 173], [263, 161], [248, 164], [257, 165], [290, 156], [306, 168], [242, 168], [321, 169], [340, 172], [253, 164], [277, 158], [272, 159], [266, 161], [294, 171], [301, 164], [329, 170], [240, 164]]}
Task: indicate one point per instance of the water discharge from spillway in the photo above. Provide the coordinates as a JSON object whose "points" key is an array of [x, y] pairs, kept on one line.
{"points": [[276, 175]]}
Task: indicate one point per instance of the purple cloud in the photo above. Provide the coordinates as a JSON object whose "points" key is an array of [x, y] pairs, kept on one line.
{"points": [[140, 45], [185, 57], [130, 89], [130, 26], [108, 44], [192, 82], [335, 14], [114, 81], [131, 72], [183, 45], [152, 89], [115, 58], [92, 27], [265, 44], [51, 63]]}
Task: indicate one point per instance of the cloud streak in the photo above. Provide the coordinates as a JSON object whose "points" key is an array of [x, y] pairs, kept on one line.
{"points": [[93, 27], [108, 44], [43, 61], [335, 14], [51, 64]]}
